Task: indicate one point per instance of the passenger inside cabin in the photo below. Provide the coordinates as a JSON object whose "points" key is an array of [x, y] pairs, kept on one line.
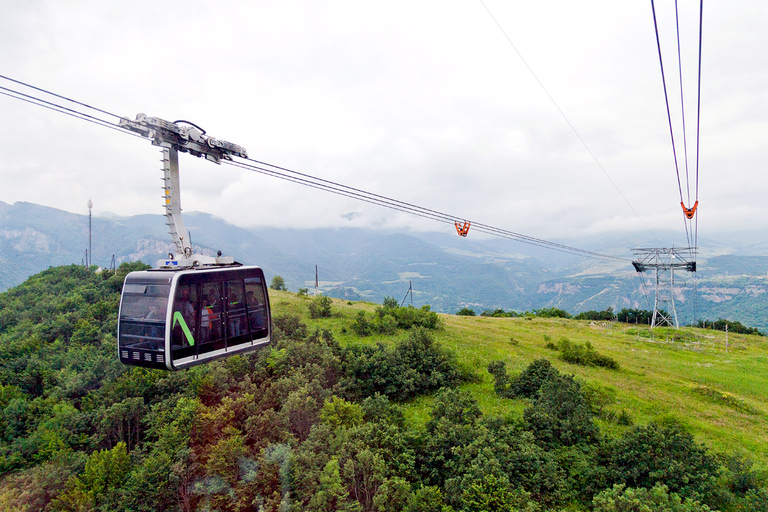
{"points": [[181, 336], [255, 311]]}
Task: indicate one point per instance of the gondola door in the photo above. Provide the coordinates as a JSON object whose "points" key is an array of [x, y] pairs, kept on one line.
{"points": [[185, 321]]}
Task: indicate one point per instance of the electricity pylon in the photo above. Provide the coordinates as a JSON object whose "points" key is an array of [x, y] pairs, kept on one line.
{"points": [[665, 261]]}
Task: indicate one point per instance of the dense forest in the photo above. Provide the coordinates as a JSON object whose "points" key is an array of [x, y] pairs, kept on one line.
{"points": [[313, 425]]}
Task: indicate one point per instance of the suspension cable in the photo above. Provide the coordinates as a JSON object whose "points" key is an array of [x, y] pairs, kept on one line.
{"points": [[311, 181], [568, 121], [58, 96], [691, 226], [698, 119], [394, 204]]}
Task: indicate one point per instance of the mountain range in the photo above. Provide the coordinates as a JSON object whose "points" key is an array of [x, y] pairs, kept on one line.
{"points": [[445, 271]]}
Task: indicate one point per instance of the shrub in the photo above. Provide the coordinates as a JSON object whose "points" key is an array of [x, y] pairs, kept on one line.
{"points": [[530, 380], [320, 307], [360, 325], [412, 367], [657, 499], [499, 313], [666, 454], [560, 415], [584, 355], [552, 312], [291, 326], [465, 312], [501, 378], [389, 317], [606, 315]]}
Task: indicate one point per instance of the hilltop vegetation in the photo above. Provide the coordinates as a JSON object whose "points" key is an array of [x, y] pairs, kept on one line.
{"points": [[416, 412]]}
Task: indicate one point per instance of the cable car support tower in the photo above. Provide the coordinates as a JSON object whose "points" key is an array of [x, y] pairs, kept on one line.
{"points": [[664, 261], [172, 138]]}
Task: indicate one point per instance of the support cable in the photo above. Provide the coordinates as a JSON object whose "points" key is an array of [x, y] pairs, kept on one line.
{"points": [[682, 102], [691, 225], [698, 120], [573, 128], [63, 110], [58, 96], [311, 181], [406, 207]]}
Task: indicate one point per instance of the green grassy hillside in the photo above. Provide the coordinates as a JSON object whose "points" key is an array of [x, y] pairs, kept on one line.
{"points": [[404, 420], [686, 375]]}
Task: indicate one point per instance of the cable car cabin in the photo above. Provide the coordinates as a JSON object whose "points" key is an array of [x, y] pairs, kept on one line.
{"points": [[172, 319]]}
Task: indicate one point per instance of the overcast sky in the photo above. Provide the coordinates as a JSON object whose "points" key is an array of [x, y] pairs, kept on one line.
{"points": [[423, 101]]}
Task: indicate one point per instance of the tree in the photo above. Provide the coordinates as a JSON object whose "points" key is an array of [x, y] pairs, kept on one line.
{"points": [[666, 454], [657, 499], [528, 383], [465, 312], [552, 312], [278, 283], [320, 307], [99, 484], [561, 416], [332, 494]]}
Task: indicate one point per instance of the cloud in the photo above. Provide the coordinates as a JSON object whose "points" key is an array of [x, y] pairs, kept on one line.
{"points": [[426, 103]]}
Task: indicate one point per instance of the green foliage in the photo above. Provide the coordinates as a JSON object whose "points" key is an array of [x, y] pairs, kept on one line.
{"points": [[584, 355], [636, 316], [361, 326], [452, 425], [341, 413], [498, 369], [290, 326], [552, 312], [656, 499], [389, 302], [99, 484], [413, 366], [312, 425], [499, 313], [332, 495], [465, 312], [278, 283], [389, 317], [606, 315], [530, 380], [667, 454], [560, 416], [303, 292], [320, 307], [732, 326], [427, 499]]}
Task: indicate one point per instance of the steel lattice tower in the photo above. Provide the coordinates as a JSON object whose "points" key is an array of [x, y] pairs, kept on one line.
{"points": [[664, 261]]}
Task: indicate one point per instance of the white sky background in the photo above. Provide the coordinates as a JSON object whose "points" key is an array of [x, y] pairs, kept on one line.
{"points": [[425, 102]]}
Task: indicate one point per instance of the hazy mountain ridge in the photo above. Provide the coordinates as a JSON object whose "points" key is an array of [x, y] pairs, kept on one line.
{"points": [[447, 272]]}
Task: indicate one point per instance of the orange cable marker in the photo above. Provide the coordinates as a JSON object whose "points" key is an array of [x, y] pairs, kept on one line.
{"points": [[689, 212], [462, 230]]}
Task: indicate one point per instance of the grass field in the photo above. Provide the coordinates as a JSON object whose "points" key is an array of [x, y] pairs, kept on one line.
{"points": [[718, 392]]}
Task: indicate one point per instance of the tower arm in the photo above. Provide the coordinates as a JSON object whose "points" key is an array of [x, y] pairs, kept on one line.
{"points": [[172, 138], [190, 139]]}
